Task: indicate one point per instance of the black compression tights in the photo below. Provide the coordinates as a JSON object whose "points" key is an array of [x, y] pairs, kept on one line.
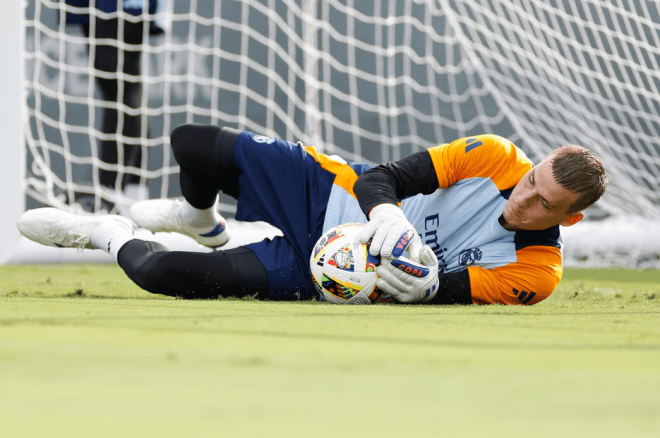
{"points": [[236, 272], [206, 157]]}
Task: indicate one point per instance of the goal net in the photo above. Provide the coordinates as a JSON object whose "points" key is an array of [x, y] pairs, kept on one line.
{"points": [[369, 80]]}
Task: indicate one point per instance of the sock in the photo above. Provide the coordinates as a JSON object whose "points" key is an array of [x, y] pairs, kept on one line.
{"points": [[110, 238], [207, 218]]}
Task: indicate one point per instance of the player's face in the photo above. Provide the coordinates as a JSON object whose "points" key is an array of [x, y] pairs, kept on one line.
{"points": [[539, 202]]}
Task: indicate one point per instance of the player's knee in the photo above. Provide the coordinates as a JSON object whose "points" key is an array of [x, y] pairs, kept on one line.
{"points": [[194, 146], [152, 274], [139, 260], [178, 140]]}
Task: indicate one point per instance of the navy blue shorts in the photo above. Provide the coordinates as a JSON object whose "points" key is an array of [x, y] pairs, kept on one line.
{"points": [[282, 184]]}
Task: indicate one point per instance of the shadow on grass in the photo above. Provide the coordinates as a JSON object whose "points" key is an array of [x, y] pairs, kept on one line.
{"points": [[427, 310], [80, 295]]}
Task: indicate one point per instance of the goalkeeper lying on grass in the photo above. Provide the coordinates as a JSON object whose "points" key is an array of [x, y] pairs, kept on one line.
{"points": [[485, 220]]}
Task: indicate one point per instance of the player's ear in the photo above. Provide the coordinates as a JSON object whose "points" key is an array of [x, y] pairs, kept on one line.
{"points": [[572, 219]]}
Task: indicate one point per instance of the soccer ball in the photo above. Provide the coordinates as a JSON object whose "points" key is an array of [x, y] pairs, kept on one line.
{"points": [[343, 271]]}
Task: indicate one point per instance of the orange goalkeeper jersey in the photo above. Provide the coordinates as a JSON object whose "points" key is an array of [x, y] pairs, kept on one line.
{"points": [[533, 265], [460, 222]]}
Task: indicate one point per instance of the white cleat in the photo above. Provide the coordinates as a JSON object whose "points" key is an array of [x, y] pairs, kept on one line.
{"points": [[162, 215], [53, 227], [127, 197]]}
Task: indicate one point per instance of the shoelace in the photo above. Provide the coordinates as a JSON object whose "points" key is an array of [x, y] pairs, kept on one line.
{"points": [[79, 242]]}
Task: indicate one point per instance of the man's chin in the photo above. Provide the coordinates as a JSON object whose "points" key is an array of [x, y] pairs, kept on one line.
{"points": [[508, 225], [523, 227]]}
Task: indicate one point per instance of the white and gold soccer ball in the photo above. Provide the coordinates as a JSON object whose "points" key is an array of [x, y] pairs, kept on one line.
{"points": [[343, 271]]}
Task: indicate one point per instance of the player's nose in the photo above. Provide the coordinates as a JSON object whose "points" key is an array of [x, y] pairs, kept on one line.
{"points": [[526, 198]]}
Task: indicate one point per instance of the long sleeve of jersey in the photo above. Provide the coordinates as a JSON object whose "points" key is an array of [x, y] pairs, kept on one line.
{"points": [[387, 183], [537, 271]]}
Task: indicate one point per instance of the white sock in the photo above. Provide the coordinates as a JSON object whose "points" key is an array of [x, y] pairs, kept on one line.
{"points": [[207, 218], [110, 238]]}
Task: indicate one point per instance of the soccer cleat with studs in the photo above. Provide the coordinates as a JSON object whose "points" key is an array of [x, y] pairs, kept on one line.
{"points": [[162, 215], [53, 227]]}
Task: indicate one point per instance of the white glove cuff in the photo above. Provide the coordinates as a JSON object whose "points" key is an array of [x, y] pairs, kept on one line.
{"points": [[386, 208]]}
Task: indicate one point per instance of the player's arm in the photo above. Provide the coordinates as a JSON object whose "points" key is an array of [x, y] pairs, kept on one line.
{"points": [[421, 287], [387, 183], [453, 288], [378, 191], [530, 280], [440, 167], [396, 180], [487, 156]]}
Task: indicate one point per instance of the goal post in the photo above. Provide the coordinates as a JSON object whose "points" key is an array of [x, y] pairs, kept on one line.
{"points": [[12, 162], [369, 80]]}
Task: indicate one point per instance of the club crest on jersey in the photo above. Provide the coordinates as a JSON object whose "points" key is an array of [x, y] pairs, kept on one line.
{"points": [[469, 256], [408, 268], [263, 139], [402, 244]]}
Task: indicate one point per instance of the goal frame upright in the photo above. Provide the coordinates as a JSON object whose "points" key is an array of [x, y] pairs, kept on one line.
{"points": [[12, 164]]}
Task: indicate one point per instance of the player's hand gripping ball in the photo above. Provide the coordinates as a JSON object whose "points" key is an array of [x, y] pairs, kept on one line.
{"points": [[343, 271]]}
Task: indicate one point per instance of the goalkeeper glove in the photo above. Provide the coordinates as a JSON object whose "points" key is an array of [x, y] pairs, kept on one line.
{"points": [[409, 281], [391, 233]]}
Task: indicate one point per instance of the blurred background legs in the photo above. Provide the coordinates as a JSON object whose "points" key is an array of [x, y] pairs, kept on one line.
{"points": [[125, 125], [127, 90]]}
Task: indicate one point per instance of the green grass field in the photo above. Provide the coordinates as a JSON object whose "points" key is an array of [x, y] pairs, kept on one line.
{"points": [[85, 353]]}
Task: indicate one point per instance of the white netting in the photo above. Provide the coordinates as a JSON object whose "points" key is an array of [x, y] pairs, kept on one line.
{"points": [[367, 79]]}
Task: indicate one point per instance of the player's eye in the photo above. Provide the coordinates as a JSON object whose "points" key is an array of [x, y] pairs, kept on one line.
{"points": [[531, 179], [545, 204]]}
